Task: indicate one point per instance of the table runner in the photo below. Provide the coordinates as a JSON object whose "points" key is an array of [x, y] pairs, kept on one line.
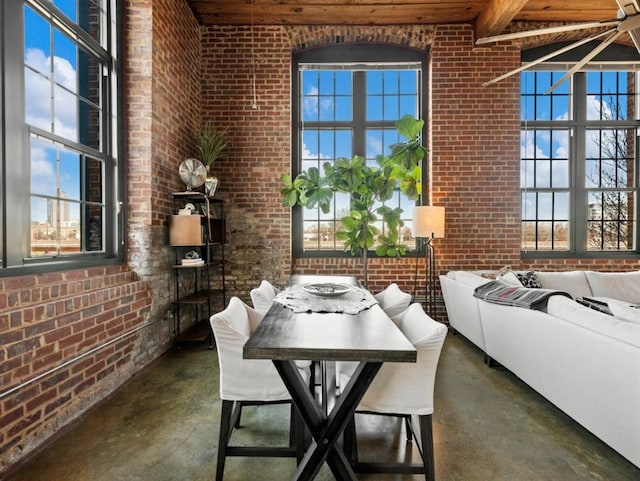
{"points": [[352, 302]]}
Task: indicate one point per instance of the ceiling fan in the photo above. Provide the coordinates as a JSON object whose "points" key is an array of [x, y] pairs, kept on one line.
{"points": [[628, 21]]}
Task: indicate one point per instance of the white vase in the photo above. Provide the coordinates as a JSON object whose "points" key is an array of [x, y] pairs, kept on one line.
{"points": [[210, 185]]}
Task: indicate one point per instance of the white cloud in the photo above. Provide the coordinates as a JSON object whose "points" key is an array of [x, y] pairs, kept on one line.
{"points": [[374, 144], [64, 73], [531, 146], [313, 103], [310, 103], [39, 93], [326, 104], [307, 154], [43, 171]]}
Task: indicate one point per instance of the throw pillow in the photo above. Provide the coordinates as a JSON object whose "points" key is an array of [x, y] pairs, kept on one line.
{"points": [[470, 279], [624, 310], [495, 274], [529, 279], [510, 279]]}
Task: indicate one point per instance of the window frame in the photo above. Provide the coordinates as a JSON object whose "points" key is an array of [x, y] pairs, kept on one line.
{"points": [[14, 249], [578, 127], [364, 53]]}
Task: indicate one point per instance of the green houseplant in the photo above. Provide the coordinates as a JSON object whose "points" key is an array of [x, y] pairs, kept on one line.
{"points": [[211, 143], [369, 188]]}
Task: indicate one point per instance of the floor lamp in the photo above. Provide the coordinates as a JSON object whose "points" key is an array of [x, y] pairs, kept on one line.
{"points": [[428, 223]]}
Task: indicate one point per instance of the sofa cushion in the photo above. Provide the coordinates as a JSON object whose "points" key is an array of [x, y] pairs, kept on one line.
{"points": [[573, 282], [624, 310], [529, 279], [569, 310], [624, 286]]}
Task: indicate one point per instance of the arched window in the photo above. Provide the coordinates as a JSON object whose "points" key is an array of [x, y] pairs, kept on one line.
{"points": [[346, 100]]}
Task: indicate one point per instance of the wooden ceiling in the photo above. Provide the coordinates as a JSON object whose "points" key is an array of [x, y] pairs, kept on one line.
{"points": [[490, 17]]}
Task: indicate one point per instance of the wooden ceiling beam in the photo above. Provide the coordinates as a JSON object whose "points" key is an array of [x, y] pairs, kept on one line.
{"points": [[492, 16], [496, 16], [335, 12]]}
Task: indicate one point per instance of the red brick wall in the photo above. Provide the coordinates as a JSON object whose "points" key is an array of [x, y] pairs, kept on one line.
{"points": [[70, 339], [86, 318], [475, 153], [259, 151], [473, 136]]}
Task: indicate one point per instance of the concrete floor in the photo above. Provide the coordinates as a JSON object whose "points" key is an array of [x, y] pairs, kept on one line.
{"points": [[488, 426]]}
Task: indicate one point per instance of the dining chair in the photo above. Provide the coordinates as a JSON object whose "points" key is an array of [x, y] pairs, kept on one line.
{"points": [[404, 390], [393, 300], [262, 299], [246, 382], [262, 296]]}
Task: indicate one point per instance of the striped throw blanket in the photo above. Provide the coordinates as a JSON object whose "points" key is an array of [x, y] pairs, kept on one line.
{"points": [[499, 293]]}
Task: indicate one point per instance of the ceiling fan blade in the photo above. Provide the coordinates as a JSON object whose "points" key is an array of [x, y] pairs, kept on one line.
{"points": [[631, 24], [587, 58], [635, 36], [544, 58], [629, 7], [546, 31]]}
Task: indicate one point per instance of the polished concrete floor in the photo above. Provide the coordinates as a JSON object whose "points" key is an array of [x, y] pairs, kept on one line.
{"points": [[488, 426]]}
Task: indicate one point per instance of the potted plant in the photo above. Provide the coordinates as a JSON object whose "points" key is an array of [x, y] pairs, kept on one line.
{"points": [[369, 188], [211, 142]]}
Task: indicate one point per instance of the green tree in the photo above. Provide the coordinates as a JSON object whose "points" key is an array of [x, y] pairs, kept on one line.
{"points": [[369, 188]]}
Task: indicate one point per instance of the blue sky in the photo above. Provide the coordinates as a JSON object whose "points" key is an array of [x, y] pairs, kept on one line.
{"points": [[550, 147], [327, 96], [52, 61]]}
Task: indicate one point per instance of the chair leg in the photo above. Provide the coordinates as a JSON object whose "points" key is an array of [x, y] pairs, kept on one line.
{"points": [[223, 439], [426, 435], [312, 377], [236, 424], [408, 428]]}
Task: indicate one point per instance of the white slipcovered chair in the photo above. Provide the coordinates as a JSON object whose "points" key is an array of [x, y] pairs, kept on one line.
{"points": [[262, 296], [393, 300], [248, 382], [262, 299], [404, 390]]}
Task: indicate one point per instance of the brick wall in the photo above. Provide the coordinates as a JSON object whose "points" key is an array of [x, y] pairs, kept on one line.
{"points": [[70, 339], [259, 151], [473, 136]]}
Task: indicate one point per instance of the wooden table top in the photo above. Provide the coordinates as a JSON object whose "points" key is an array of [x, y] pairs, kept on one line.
{"points": [[367, 336]]}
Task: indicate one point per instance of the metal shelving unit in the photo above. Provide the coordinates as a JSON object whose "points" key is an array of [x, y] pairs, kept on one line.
{"points": [[198, 289]]}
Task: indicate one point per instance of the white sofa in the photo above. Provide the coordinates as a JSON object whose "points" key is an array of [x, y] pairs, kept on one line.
{"points": [[585, 362]]}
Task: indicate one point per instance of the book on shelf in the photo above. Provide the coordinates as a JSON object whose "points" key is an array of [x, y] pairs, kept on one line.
{"points": [[192, 262]]}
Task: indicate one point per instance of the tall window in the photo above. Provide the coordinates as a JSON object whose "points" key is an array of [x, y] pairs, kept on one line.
{"points": [[349, 107], [579, 163], [61, 152]]}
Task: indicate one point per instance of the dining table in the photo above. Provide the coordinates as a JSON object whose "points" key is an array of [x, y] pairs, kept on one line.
{"points": [[343, 323]]}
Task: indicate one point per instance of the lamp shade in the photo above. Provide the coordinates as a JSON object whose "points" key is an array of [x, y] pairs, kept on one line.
{"points": [[428, 221]]}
